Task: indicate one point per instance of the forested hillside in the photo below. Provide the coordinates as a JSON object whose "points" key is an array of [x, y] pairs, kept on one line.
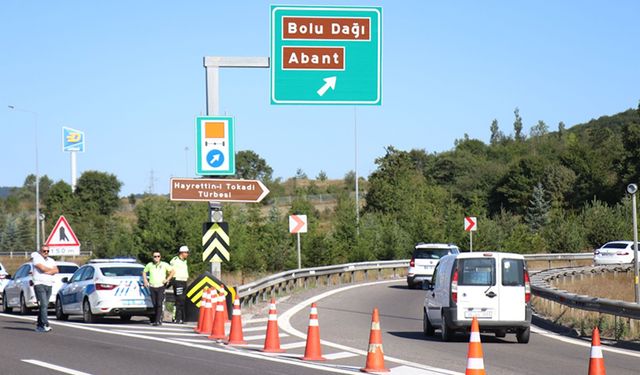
{"points": [[560, 190]]}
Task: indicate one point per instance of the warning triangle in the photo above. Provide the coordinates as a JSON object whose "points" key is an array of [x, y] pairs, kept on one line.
{"points": [[62, 234]]}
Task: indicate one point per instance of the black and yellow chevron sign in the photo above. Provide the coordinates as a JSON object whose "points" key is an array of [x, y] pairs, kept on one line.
{"points": [[207, 280], [215, 242]]}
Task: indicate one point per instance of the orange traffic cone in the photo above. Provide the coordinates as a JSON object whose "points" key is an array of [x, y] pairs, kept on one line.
{"points": [[596, 361], [312, 351], [475, 361], [217, 332], [207, 322], [272, 340], [205, 296], [235, 335], [375, 355]]}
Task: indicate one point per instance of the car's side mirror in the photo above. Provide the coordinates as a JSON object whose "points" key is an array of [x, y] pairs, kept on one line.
{"points": [[65, 280]]}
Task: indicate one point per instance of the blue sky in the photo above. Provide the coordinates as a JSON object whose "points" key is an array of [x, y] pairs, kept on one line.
{"points": [[130, 75]]}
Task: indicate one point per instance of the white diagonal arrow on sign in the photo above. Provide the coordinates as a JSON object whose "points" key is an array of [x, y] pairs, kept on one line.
{"points": [[470, 223], [329, 82]]}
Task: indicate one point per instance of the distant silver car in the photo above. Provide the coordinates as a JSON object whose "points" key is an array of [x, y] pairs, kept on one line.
{"points": [[614, 252], [19, 293]]}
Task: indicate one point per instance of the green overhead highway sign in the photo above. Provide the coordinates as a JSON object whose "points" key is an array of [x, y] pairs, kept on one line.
{"points": [[326, 55]]}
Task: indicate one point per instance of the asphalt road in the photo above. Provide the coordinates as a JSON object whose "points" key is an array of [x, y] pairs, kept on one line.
{"points": [[345, 318], [114, 347]]}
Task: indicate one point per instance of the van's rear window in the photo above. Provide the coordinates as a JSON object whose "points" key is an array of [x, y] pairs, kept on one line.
{"points": [[513, 272], [480, 271]]}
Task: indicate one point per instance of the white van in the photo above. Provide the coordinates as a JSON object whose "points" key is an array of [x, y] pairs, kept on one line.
{"points": [[492, 286]]}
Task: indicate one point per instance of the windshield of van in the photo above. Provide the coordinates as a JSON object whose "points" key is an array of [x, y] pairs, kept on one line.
{"points": [[477, 271], [513, 272], [430, 253]]}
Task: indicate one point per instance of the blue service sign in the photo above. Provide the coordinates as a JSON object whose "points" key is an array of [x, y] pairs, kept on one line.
{"points": [[72, 140]]}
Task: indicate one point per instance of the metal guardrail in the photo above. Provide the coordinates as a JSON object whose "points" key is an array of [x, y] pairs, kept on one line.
{"points": [[541, 287], [285, 281]]}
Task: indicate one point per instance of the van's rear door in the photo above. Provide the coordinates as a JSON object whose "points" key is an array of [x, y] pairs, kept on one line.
{"points": [[477, 292], [512, 298]]}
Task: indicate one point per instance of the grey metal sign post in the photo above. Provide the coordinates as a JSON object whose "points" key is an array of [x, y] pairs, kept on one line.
{"points": [[633, 189], [212, 66]]}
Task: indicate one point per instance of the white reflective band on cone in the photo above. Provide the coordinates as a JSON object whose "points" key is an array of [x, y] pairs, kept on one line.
{"points": [[272, 306], [313, 322], [474, 337], [236, 312], [475, 364], [273, 317], [375, 347], [314, 311], [219, 307], [375, 326], [596, 352]]}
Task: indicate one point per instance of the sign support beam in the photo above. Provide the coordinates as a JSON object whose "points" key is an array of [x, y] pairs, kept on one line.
{"points": [[212, 66]]}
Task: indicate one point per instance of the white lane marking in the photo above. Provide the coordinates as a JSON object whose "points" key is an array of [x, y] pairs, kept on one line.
{"points": [[262, 337], [285, 324], [585, 344], [51, 366], [253, 329], [294, 345], [158, 333], [258, 320], [339, 355], [213, 348]]}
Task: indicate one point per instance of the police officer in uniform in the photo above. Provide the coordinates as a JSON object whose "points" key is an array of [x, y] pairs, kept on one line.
{"points": [[181, 269]]}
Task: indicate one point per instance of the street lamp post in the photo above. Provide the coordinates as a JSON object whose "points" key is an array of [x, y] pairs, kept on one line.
{"points": [[35, 116], [633, 189]]}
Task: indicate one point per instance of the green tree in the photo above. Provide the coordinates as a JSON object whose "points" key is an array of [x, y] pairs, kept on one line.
{"points": [[517, 126], [496, 135], [322, 176], [250, 166], [539, 130], [538, 211], [97, 192]]}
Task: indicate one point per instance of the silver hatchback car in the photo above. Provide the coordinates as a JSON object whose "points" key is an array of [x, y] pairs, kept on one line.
{"points": [[19, 293]]}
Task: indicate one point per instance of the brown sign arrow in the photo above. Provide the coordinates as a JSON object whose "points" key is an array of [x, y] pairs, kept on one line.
{"points": [[223, 190]]}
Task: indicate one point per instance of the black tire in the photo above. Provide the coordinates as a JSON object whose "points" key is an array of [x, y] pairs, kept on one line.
{"points": [[60, 315], [87, 315], [522, 335], [24, 310], [427, 328], [445, 331], [5, 304], [125, 318]]}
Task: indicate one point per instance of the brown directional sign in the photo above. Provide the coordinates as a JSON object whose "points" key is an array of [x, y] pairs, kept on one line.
{"points": [[223, 190]]}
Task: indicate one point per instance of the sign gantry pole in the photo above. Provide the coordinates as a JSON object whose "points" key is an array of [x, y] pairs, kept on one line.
{"points": [[212, 66]]}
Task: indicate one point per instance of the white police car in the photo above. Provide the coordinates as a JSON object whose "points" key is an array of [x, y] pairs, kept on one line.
{"points": [[105, 287]]}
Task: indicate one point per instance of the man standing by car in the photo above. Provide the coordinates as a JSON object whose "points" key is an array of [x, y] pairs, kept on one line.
{"points": [[181, 269], [160, 274], [43, 270]]}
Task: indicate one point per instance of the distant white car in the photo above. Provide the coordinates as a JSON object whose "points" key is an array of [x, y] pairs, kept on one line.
{"points": [[4, 278], [614, 252], [19, 293], [424, 259]]}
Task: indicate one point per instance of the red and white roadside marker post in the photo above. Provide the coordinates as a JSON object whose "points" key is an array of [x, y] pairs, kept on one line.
{"points": [[471, 225], [297, 225]]}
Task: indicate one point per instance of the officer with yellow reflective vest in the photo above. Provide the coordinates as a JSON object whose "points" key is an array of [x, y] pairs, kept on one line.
{"points": [[181, 269], [160, 274]]}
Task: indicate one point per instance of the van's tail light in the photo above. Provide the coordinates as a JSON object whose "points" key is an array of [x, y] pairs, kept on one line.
{"points": [[412, 263], [2, 277], [622, 253], [101, 286], [454, 286], [527, 287]]}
